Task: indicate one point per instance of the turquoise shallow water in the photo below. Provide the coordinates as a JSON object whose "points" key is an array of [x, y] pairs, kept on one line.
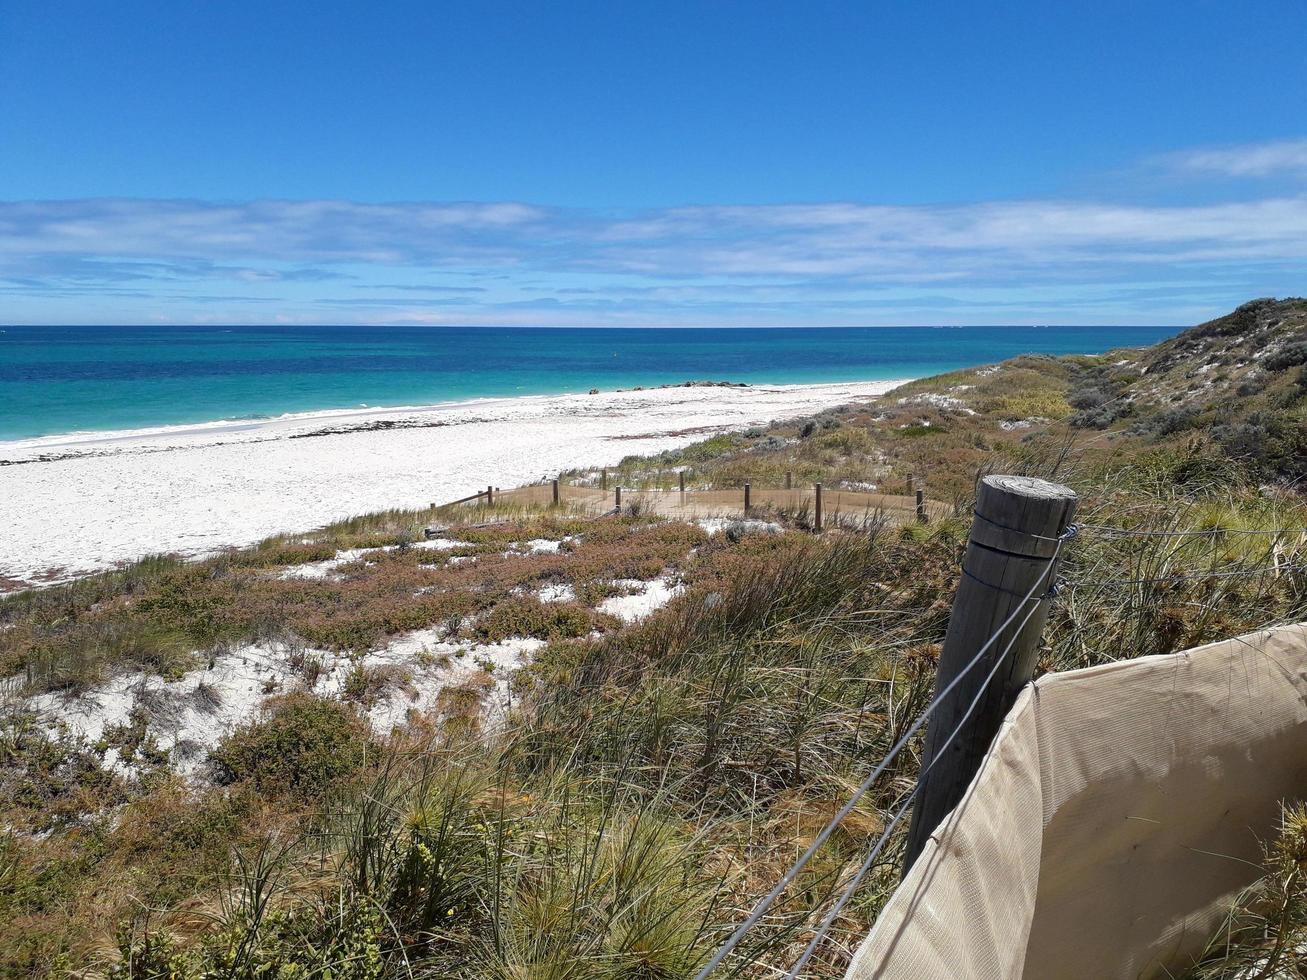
{"points": [[55, 380]]}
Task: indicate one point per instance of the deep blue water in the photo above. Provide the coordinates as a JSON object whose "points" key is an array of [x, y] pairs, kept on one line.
{"points": [[66, 379]]}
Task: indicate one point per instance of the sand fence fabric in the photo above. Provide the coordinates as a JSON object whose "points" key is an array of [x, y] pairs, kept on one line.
{"points": [[837, 504], [1113, 823]]}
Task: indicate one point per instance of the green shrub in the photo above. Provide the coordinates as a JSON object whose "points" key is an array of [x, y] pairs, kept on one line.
{"points": [[527, 616], [49, 782], [1290, 355], [1166, 423], [1271, 445], [1088, 397], [302, 746], [342, 942]]}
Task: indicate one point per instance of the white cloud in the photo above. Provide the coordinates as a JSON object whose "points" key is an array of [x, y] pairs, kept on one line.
{"points": [[1251, 160], [511, 262], [801, 239]]}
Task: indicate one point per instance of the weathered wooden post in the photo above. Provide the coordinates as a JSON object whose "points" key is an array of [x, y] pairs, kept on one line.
{"points": [[619, 500], [490, 496], [912, 483], [1014, 539], [603, 478], [789, 480], [921, 505], [816, 508], [556, 497], [682, 476], [746, 498]]}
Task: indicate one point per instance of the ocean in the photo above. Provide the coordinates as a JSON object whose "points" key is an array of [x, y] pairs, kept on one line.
{"points": [[56, 380]]}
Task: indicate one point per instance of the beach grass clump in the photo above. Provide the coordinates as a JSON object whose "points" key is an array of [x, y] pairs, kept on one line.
{"points": [[1266, 929]]}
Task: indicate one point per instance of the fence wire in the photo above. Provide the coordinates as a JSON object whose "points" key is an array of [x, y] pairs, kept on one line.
{"points": [[1026, 604], [1201, 532], [869, 862], [1179, 577], [770, 898]]}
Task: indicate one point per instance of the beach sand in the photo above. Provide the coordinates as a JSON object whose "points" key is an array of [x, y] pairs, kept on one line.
{"points": [[81, 503]]}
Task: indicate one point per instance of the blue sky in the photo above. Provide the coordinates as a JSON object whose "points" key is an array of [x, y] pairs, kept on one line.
{"points": [[649, 163]]}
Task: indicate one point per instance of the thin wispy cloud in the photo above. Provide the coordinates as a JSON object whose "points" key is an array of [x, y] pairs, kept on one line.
{"points": [[1254, 160], [500, 262]]}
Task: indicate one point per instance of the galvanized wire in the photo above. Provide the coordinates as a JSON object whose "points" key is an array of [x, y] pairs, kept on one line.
{"points": [[1205, 533], [1179, 577], [769, 899], [868, 862]]}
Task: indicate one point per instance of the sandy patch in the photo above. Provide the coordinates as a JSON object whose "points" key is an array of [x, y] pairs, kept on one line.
{"points": [[326, 568], [557, 593], [86, 502], [717, 525], [645, 597], [190, 716]]}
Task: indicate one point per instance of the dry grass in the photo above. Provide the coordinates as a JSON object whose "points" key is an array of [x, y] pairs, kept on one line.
{"points": [[651, 784], [164, 616]]}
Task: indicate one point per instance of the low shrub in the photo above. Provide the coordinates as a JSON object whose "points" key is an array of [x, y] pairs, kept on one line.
{"points": [[48, 782], [343, 941], [527, 616], [1271, 445], [1290, 355], [1088, 398], [303, 746], [1166, 423]]}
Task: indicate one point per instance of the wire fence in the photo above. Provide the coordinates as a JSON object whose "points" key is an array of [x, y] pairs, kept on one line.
{"points": [[1025, 609], [1208, 532], [837, 505], [761, 908], [742, 501]]}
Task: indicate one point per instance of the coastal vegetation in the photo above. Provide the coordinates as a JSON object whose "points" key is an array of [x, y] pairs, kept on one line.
{"points": [[612, 734]]}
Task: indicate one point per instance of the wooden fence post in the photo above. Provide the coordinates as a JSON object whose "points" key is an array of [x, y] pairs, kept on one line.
{"points": [[921, 505], [603, 478], [556, 497], [682, 476], [912, 483], [816, 508], [789, 480], [1013, 538], [746, 498], [490, 496], [619, 499]]}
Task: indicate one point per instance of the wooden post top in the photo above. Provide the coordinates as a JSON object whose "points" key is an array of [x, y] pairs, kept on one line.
{"points": [[1021, 515]]}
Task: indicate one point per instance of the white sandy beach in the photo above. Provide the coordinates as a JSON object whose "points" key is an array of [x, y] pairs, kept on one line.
{"points": [[81, 503]]}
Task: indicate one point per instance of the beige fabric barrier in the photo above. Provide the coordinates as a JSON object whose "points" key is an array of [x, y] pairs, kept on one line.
{"points": [[836, 504], [1112, 824]]}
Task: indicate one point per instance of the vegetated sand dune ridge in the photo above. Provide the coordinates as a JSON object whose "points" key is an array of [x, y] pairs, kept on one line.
{"points": [[80, 503]]}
